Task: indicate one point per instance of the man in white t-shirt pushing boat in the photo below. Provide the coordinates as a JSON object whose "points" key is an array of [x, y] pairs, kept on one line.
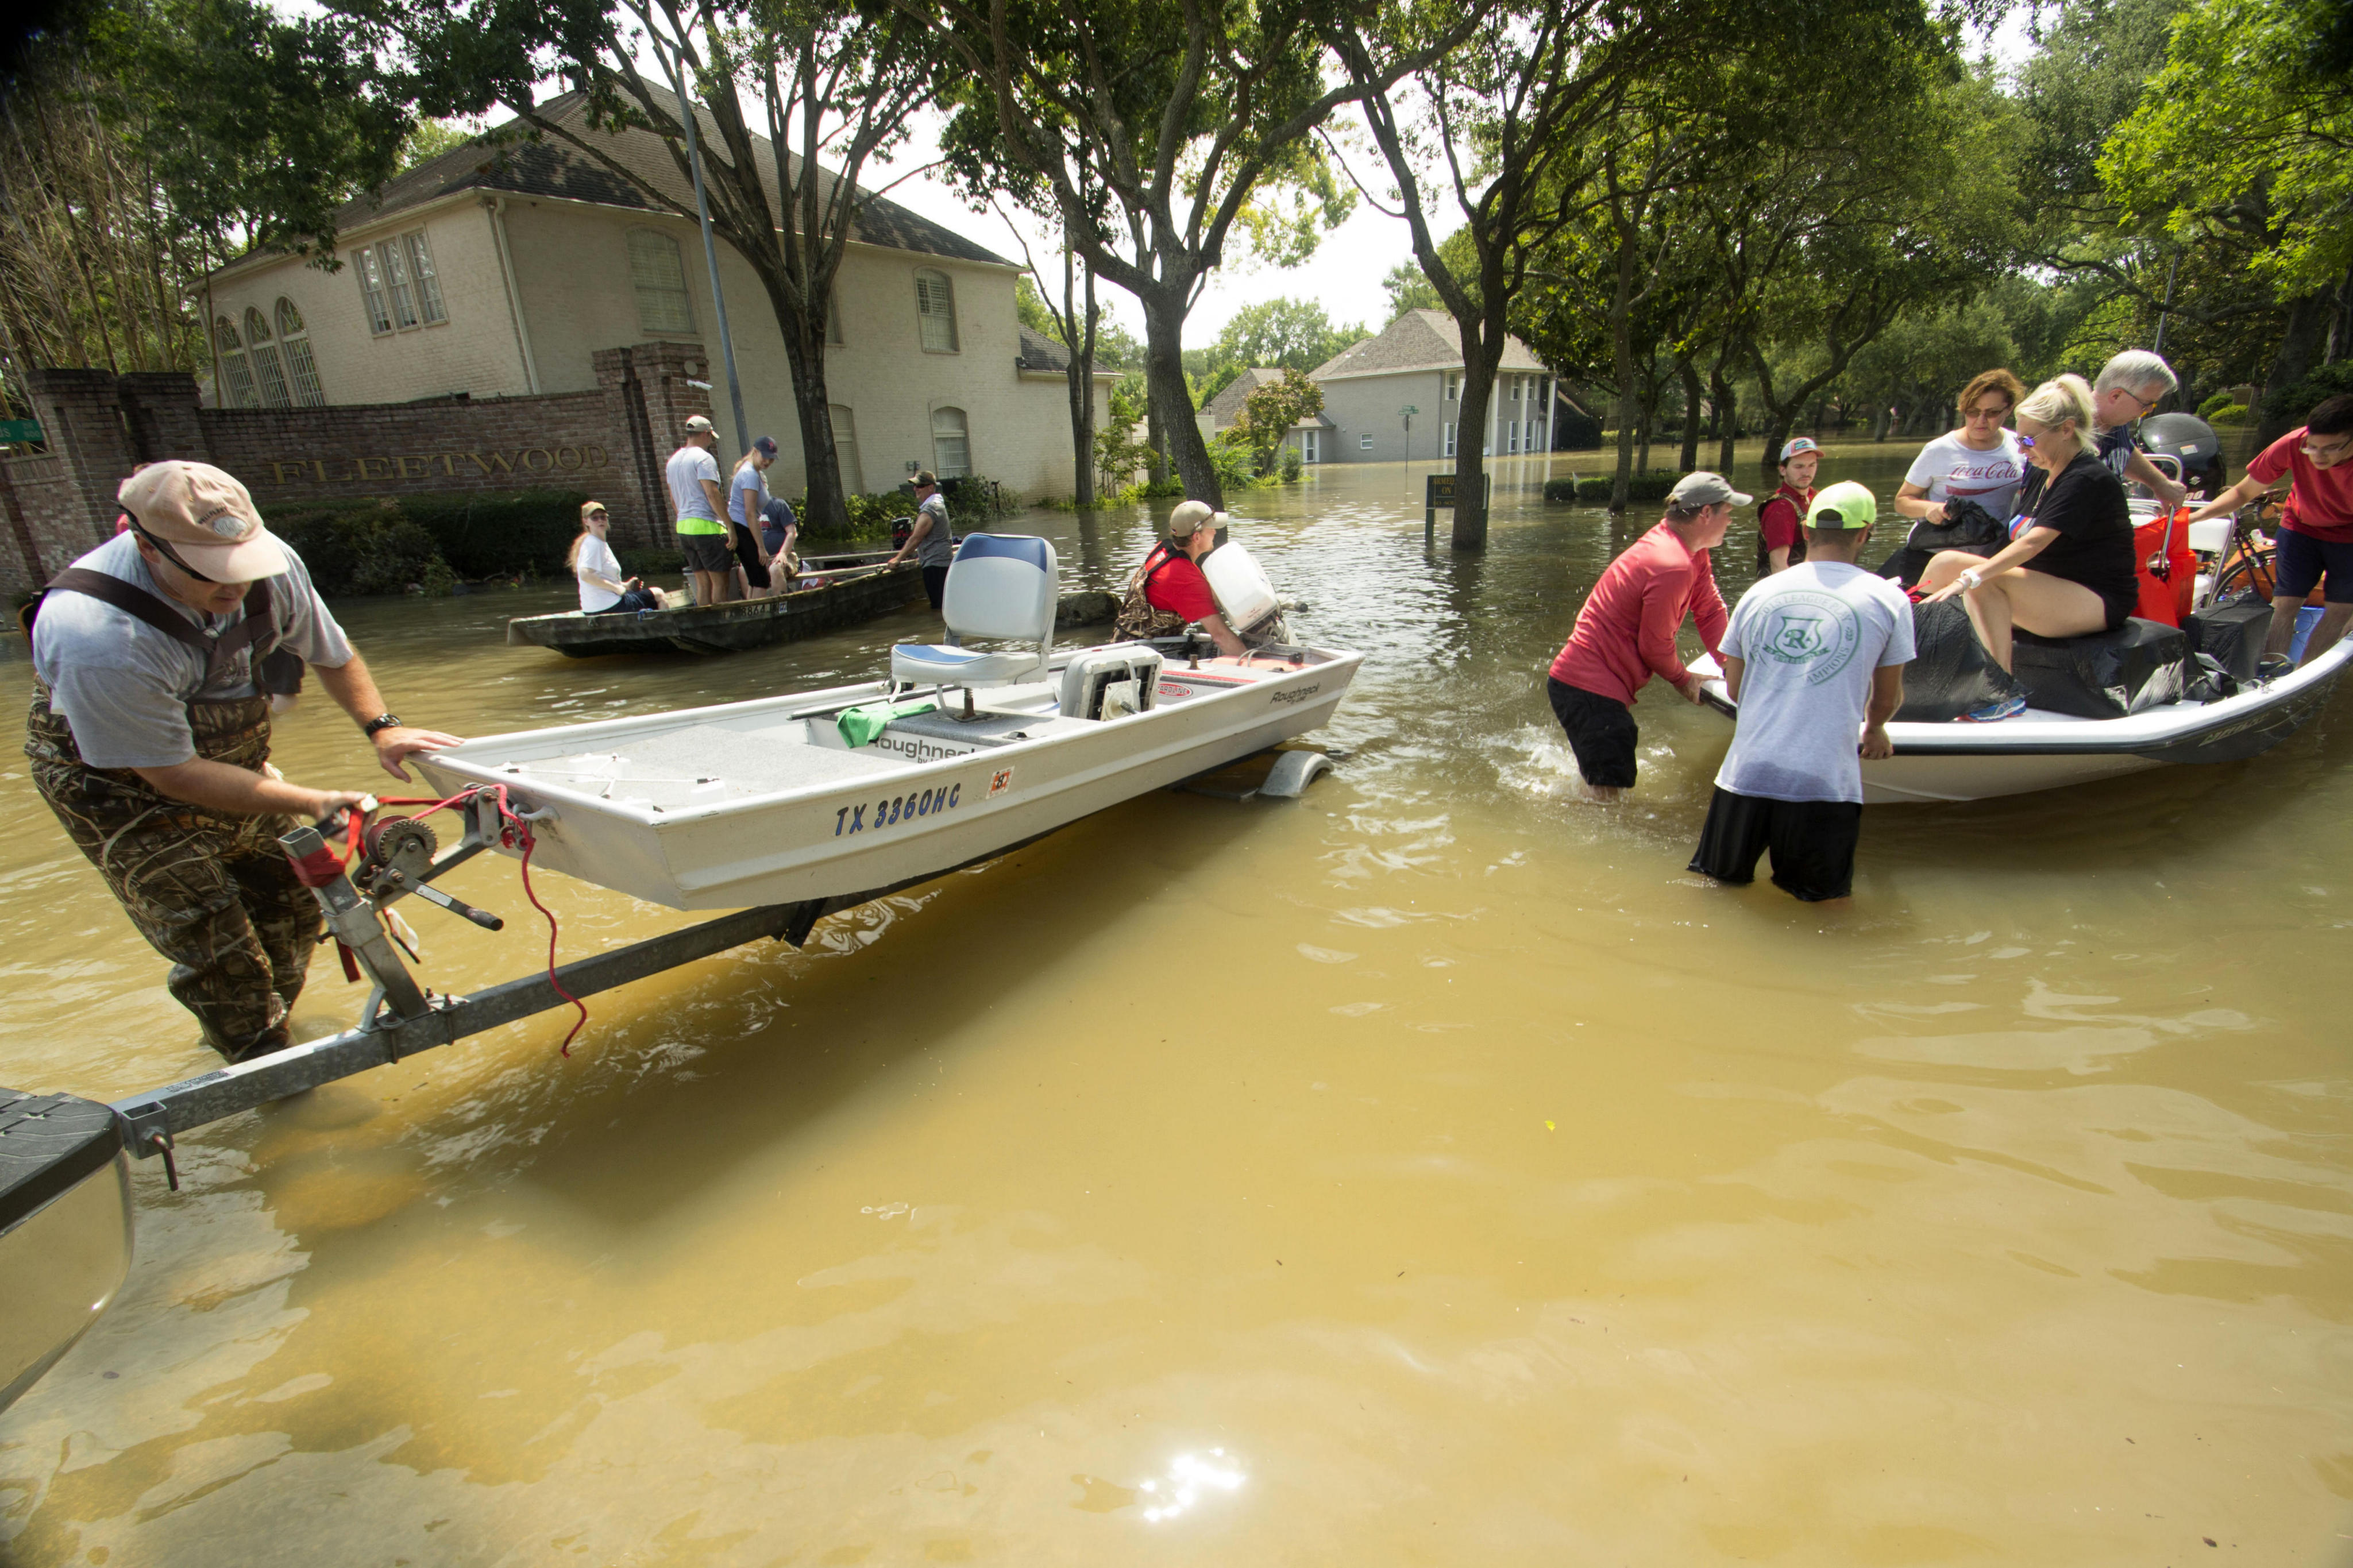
{"points": [[1815, 657]]}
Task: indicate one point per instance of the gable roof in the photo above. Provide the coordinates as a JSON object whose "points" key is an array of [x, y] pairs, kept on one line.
{"points": [[548, 167], [1227, 406], [1419, 339]]}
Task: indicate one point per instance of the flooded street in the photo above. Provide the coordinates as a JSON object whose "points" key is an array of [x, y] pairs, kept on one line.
{"points": [[1428, 1171]]}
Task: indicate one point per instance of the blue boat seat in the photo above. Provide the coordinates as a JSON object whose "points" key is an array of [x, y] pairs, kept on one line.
{"points": [[1001, 586]]}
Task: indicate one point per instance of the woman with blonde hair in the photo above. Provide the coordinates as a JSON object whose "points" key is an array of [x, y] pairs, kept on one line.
{"points": [[2068, 570], [603, 589]]}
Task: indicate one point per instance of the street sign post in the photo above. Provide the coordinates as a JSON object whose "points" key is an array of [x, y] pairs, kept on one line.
{"points": [[1439, 494]]}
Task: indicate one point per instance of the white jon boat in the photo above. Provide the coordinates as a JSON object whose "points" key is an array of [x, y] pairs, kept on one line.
{"points": [[770, 801], [2040, 750]]}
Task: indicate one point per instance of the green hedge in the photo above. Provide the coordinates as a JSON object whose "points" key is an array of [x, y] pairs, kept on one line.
{"points": [[1591, 490], [383, 545]]}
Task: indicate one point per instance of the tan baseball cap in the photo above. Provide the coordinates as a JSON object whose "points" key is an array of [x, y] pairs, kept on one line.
{"points": [[205, 518], [696, 424], [1189, 518]]}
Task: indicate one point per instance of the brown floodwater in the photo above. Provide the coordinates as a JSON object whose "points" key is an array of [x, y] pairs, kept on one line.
{"points": [[1428, 1171]]}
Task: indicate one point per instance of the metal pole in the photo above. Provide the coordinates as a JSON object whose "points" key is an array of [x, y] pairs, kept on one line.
{"points": [[2172, 268], [710, 252]]}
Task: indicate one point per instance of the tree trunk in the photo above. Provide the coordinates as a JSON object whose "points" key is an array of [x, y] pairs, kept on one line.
{"points": [[1727, 413], [1481, 352], [1692, 396], [2298, 356], [1080, 375], [1172, 402], [1622, 344], [825, 508]]}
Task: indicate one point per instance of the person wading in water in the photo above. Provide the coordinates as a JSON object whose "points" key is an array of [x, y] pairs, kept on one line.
{"points": [[149, 736]]}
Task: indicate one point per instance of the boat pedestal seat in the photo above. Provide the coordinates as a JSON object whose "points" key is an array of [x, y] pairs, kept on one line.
{"points": [[934, 664], [1001, 586]]}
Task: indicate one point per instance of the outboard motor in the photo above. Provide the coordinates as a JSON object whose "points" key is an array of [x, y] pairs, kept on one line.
{"points": [[1244, 596], [2191, 442]]}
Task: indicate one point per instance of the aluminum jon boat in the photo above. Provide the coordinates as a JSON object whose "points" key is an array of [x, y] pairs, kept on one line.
{"points": [[2040, 750], [959, 756]]}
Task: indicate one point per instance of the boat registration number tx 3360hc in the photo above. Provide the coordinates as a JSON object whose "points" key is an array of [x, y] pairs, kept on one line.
{"points": [[896, 808]]}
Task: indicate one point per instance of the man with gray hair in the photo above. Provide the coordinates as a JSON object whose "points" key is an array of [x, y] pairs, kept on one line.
{"points": [[2130, 388]]}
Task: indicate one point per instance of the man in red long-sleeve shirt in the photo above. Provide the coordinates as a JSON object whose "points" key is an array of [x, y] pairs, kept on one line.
{"points": [[1626, 632]]}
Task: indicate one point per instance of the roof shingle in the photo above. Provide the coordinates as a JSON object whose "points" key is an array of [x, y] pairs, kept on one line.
{"points": [[1419, 339]]}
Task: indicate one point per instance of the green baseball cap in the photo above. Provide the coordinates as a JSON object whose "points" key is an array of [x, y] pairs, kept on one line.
{"points": [[1843, 507]]}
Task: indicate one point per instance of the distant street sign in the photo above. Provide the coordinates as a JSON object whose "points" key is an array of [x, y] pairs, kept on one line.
{"points": [[15, 431]]}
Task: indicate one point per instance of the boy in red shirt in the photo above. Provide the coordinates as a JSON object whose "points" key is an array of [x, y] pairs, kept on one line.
{"points": [[2316, 541], [1626, 632], [1781, 530]]}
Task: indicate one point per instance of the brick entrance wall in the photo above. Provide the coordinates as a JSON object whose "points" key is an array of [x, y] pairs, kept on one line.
{"points": [[611, 443]]}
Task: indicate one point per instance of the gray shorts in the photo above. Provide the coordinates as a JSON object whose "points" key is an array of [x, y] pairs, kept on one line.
{"points": [[706, 552]]}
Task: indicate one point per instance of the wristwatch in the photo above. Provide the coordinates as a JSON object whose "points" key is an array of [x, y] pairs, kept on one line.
{"points": [[381, 721]]}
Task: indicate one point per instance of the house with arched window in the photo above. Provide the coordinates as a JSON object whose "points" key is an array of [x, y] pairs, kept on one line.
{"points": [[499, 271]]}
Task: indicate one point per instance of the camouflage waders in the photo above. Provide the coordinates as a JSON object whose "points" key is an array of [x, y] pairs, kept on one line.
{"points": [[213, 893]]}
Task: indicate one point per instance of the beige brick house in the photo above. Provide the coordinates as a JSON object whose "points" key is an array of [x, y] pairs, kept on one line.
{"points": [[500, 271]]}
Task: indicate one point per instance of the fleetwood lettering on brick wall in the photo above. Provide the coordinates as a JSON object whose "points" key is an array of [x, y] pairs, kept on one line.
{"points": [[520, 463]]}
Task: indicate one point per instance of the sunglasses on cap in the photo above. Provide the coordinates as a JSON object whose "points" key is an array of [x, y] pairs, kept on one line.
{"points": [[167, 553], [596, 512]]}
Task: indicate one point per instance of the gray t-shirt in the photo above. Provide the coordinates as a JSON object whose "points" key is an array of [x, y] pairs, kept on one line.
{"points": [[689, 467], [124, 686], [1809, 638], [938, 548], [1950, 470], [747, 493]]}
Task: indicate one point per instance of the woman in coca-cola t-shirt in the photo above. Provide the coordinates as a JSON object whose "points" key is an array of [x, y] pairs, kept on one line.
{"points": [[1980, 461]]}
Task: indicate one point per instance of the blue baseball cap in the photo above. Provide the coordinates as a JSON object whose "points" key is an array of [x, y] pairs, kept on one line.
{"points": [[765, 445], [1796, 445]]}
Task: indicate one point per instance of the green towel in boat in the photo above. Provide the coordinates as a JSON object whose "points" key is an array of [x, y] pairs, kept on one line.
{"points": [[859, 726]]}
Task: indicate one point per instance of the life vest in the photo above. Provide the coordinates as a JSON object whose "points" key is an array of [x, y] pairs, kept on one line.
{"points": [[1138, 615], [1799, 498]]}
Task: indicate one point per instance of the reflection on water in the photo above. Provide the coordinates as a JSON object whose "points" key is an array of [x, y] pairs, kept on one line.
{"points": [[1425, 1170]]}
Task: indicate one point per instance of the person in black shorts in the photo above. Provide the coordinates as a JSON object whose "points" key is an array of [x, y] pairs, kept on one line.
{"points": [[2068, 570]]}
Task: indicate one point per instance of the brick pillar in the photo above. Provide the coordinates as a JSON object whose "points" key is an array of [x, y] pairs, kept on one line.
{"points": [[648, 394], [159, 407], [80, 413]]}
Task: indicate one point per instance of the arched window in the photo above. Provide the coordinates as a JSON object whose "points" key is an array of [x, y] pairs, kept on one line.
{"points": [[237, 389], [935, 311], [265, 365], [951, 444], [663, 303], [294, 337]]}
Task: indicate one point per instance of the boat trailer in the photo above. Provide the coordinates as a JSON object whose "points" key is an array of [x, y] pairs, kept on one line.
{"points": [[65, 1192]]}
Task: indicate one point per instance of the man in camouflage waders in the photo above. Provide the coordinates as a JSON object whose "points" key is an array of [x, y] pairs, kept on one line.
{"points": [[149, 735]]}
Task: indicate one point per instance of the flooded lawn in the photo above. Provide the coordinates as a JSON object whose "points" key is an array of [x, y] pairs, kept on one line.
{"points": [[1428, 1170]]}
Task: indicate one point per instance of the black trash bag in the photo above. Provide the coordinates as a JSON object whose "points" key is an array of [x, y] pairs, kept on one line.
{"points": [[2106, 675], [2232, 633], [2209, 681], [1967, 526], [1950, 672]]}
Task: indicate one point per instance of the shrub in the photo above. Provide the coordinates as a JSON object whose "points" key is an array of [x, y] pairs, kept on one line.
{"points": [[2227, 414], [2291, 403], [2214, 405], [1293, 465], [500, 535], [1653, 485]]}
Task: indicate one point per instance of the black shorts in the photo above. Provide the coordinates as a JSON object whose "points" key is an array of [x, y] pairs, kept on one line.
{"points": [[935, 585], [706, 552], [748, 556], [1600, 731], [2304, 561], [1812, 843]]}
